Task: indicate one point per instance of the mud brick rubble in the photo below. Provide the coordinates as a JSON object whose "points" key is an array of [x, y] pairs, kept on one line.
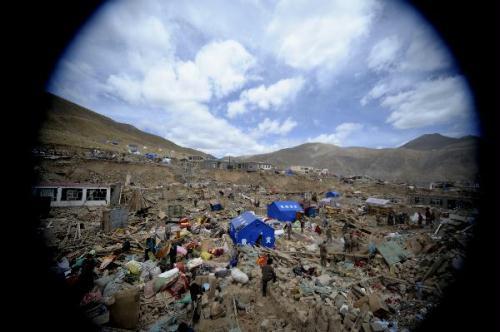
{"points": [[362, 290]]}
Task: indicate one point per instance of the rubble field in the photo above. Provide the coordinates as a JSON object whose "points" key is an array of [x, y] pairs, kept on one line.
{"points": [[380, 275]]}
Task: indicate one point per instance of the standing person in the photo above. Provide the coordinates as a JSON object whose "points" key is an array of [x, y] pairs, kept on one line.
{"points": [[314, 197], [427, 216], [196, 290], [420, 219], [329, 234], [268, 274], [173, 253], [302, 224], [289, 230], [347, 242], [325, 222], [168, 232], [322, 253], [195, 202]]}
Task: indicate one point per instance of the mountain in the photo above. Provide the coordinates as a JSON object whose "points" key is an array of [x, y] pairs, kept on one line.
{"points": [[421, 160], [69, 124], [438, 141]]}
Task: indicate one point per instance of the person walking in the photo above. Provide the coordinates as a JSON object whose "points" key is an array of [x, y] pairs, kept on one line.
{"points": [[268, 274]]}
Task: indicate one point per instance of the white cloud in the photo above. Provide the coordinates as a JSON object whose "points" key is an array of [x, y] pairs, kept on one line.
{"points": [[433, 102], [425, 53], [340, 135], [383, 54], [225, 64], [273, 96], [307, 36], [273, 127]]}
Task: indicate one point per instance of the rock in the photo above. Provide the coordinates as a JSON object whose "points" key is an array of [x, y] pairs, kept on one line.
{"points": [[302, 316], [344, 309], [340, 300], [324, 280], [378, 306], [265, 325], [378, 325]]}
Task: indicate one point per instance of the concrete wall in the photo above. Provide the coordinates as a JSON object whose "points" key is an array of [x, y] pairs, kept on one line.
{"points": [[83, 202]]}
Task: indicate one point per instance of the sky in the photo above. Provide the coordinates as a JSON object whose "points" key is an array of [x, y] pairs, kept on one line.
{"points": [[242, 77]]}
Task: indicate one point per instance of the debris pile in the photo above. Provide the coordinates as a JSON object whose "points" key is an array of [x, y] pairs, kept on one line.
{"points": [[165, 257]]}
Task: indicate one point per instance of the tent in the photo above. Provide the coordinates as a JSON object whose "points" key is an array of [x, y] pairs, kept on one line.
{"points": [[284, 210], [332, 194], [246, 229]]}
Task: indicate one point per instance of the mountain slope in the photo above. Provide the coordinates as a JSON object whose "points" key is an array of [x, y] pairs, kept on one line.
{"points": [[438, 141], [69, 124], [454, 161]]}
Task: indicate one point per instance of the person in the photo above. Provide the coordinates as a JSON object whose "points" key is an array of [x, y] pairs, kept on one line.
{"points": [[258, 242], [168, 232], [195, 202], [173, 253], [325, 222], [268, 274], [314, 197], [322, 253], [317, 229], [347, 242], [345, 228], [302, 224], [390, 219], [354, 240], [427, 216], [329, 234], [195, 291], [262, 260], [289, 230], [420, 219]]}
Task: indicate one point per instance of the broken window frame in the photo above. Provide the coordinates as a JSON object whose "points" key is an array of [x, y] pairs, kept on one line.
{"points": [[101, 196], [53, 196], [73, 197]]}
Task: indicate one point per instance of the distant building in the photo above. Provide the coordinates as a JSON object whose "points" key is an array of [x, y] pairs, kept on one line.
{"points": [[215, 164], [195, 158], [249, 166], [265, 166], [132, 148], [443, 200], [77, 194], [302, 169]]}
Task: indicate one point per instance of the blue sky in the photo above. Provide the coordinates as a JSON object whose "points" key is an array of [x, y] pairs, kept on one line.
{"points": [[253, 76]]}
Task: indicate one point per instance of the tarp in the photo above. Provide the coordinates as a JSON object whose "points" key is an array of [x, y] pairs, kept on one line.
{"points": [[378, 201], [312, 211], [332, 194], [246, 228], [216, 207], [284, 210]]}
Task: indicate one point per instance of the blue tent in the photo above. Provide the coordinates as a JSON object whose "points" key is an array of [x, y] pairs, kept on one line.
{"points": [[246, 228], [332, 194], [284, 210]]}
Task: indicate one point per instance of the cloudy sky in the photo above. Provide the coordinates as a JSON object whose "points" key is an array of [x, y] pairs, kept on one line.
{"points": [[252, 76]]}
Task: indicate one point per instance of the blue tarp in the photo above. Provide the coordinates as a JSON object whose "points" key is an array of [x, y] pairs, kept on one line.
{"points": [[284, 210], [150, 155], [216, 207], [332, 194], [312, 211], [246, 228]]}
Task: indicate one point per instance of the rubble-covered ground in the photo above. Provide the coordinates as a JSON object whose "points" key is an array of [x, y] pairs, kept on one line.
{"points": [[389, 282]]}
